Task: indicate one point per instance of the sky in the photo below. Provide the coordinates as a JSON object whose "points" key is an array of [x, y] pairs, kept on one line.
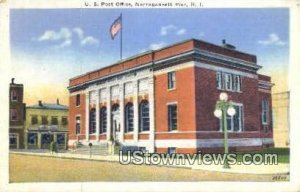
{"points": [[50, 46]]}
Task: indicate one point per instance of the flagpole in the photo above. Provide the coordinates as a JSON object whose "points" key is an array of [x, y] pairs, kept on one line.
{"points": [[121, 37]]}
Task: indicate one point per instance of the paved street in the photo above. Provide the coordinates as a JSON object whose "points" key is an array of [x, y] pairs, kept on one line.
{"points": [[27, 168]]}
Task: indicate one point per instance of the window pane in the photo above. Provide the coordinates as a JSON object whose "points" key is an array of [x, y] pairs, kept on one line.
{"points": [[34, 120], [92, 128], [60, 138], [54, 121], [77, 100], [234, 123], [172, 117], [171, 80], [32, 138], [77, 125], [64, 120], [236, 119], [144, 116], [46, 138], [219, 80], [103, 120], [129, 117]]}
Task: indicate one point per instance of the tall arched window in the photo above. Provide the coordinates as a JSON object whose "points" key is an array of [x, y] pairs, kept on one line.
{"points": [[129, 117], [144, 116], [103, 119], [265, 112], [92, 128]]}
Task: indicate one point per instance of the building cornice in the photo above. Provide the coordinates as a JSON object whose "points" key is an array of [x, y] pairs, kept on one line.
{"points": [[185, 56]]}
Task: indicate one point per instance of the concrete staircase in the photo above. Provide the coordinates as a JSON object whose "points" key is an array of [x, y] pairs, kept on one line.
{"points": [[101, 149]]}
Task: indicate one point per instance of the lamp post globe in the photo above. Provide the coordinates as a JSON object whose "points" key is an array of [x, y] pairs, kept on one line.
{"points": [[231, 111], [223, 96], [218, 113]]}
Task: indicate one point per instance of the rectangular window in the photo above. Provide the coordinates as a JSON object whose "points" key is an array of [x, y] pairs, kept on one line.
{"points": [[13, 140], [64, 120], [14, 115], [77, 125], [46, 139], [44, 120], [32, 138], [77, 99], [92, 128], [219, 80], [237, 83], [265, 112], [172, 117], [14, 95], [34, 120], [235, 123], [226, 81], [54, 121], [103, 120], [60, 139], [171, 80]]}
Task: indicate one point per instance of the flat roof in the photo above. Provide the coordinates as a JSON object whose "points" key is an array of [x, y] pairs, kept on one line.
{"points": [[154, 55]]}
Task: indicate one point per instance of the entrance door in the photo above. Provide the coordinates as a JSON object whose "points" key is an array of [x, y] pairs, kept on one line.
{"points": [[115, 123]]}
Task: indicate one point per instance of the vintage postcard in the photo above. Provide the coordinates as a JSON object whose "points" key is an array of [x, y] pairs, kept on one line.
{"points": [[149, 95]]}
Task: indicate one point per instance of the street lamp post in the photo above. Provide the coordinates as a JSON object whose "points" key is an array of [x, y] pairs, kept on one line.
{"points": [[224, 106]]}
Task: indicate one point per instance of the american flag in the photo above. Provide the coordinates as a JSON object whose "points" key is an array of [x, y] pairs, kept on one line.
{"points": [[116, 27]]}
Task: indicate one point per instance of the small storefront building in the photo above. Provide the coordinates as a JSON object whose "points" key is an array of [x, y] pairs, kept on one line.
{"points": [[41, 137], [46, 123]]}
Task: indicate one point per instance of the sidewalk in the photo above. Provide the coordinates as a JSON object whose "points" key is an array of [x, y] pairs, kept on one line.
{"points": [[245, 169]]}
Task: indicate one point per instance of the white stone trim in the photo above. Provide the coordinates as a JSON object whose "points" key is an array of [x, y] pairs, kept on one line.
{"points": [[224, 69], [122, 125], [175, 68], [77, 92], [180, 143], [87, 115], [151, 115], [108, 112], [16, 127], [264, 90], [211, 143], [227, 58], [267, 141], [239, 142], [135, 111], [97, 114]]}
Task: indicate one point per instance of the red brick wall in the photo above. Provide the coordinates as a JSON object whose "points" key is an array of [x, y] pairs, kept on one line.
{"points": [[207, 94], [184, 95], [73, 111]]}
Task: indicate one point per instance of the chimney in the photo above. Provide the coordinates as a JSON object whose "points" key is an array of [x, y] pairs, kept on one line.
{"points": [[224, 41], [228, 46], [57, 101], [40, 103], [12, 80]]}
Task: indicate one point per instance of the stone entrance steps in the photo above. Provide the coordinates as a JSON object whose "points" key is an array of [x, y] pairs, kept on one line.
{"points": [[101, 149]]}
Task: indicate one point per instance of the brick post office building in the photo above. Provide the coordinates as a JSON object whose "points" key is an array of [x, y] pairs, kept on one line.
{"points": [[164, 100]]}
